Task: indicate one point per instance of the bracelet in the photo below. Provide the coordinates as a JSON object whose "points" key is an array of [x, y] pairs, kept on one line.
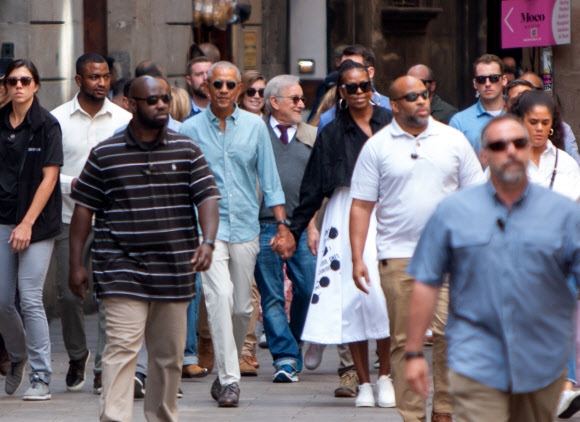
{"points": [[413, 355], [209, 242]]}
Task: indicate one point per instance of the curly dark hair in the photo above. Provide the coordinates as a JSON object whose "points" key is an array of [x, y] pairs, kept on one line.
{"points": [[528, 100]]}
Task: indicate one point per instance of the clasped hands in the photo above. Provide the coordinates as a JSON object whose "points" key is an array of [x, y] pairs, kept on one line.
{"points": [[283, 243]]}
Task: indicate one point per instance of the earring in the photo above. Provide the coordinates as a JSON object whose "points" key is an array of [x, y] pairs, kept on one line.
{"points": [[342, 104], [551, 131]]}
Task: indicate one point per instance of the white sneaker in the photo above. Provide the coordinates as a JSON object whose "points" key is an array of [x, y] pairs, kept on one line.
{"points": [[385, 392], [365, 397], [568, 404], [313, 356]]}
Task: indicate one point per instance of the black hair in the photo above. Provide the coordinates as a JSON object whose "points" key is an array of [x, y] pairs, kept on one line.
{"points": [[344, 67], [360, 50], [528, 100], [15, 64], [87, 58]]}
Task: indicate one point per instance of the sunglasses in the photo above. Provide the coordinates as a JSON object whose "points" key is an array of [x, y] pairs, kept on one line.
{"points": [[492, 78], [296, 99], [153, 99], [25, 80], [352, 88], [252, 92], [412, 96], [502, 145], [219, 83]]}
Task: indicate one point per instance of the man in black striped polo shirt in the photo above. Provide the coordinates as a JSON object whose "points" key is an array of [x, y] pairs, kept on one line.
{"points": [[140, 184]]}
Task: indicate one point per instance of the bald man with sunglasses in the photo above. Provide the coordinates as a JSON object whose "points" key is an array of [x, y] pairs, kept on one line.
{"points": [[237, 147], [405, 170]]}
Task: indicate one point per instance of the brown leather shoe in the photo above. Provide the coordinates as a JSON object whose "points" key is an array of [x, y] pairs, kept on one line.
{"points": [[193, 371], [441, 417], [230, 396], [348, 385], [255, 362], [246, 367], [205, 353]]}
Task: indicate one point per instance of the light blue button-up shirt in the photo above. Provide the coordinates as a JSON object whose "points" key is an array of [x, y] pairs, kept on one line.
{"points": [[471, 122], [237, 157], [511, 312]]}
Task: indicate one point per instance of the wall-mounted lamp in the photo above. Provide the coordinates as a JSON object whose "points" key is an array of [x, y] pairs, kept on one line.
{"points": [[306, 65]]}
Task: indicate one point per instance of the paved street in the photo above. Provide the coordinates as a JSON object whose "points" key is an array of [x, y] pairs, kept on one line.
{"points": [[311, 399]]}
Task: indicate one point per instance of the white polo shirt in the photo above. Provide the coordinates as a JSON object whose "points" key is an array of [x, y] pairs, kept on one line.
{"points": [[409, 176], [80, 133]]}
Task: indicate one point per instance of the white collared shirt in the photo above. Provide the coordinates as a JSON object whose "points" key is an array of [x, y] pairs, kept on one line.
{"points": [[567, 178], [291, 130], [80, 133]]}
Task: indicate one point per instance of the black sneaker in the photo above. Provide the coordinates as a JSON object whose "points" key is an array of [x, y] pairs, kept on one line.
{"points": [[75, 377], [15, 376], [98, 384], [139, 385], [216, 389]]}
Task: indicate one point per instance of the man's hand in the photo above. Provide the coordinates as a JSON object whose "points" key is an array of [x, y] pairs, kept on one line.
{"points": [[20, 237], [283, 243], [78, 281], [202, 256], [360, 275], [417, 375]]}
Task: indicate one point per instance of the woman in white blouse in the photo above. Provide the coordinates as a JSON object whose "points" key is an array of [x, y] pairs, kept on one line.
{"points": [[550, 165], [553, 168]]}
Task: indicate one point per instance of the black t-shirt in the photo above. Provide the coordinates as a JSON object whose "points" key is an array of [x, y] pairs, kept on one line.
{"points": [[13, 142]]}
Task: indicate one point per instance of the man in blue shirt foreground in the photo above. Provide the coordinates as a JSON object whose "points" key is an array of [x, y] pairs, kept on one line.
{"points": [[509, 247]]}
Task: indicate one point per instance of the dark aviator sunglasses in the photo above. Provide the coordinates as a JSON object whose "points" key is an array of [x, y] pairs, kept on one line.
{"points": [[229, 84], [252, 92], [501, 145], [25, 80], [352, 88], [153, 99]]}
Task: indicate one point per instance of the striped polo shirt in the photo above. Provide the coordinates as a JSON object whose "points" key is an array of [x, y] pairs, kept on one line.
{"points": [[145, 223]]}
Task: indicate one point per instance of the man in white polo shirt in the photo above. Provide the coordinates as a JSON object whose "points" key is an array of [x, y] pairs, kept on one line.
{"points": [[86, 120], [408, 168]]}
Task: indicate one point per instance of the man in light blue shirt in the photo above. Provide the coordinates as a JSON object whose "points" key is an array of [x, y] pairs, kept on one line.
{"points": [[237, 147], [509, 247], [489, 82]]}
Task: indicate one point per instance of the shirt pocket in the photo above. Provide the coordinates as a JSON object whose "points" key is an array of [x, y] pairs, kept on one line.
{"points": [[469, 259], [540, 251]]}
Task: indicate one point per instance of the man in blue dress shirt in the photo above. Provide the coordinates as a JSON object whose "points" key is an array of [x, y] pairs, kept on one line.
{"points": [[509, 247], [238, 150]]}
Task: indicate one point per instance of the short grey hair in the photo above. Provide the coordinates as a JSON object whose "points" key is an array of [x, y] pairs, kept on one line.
{"points": [[276, 85], [226, 65], [502, 118]]}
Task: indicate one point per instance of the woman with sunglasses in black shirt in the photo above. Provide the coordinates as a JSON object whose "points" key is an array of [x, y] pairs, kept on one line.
{"points": [[30, 218]]}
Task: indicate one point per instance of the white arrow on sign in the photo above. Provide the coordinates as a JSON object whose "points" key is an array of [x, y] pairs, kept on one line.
{"points": [[506, 19]]}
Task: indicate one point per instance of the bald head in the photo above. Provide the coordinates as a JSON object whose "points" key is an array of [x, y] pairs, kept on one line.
{"points": [[534, 79], [426, 75], [410, 103], [405, 84]]}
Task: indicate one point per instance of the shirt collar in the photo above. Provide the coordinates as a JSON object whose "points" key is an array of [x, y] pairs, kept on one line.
{"points": [[480, 111], [274, 123], [76, 107], [234, 116], [492, 191], [397, 130], [131, 139]]}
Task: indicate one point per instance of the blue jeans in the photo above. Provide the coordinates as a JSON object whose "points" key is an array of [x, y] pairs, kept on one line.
{"points": [[190, 354], [25, 271], [283, 337]]}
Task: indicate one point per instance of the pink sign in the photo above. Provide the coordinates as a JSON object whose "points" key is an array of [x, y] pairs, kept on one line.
{"points": [[534, 23]]}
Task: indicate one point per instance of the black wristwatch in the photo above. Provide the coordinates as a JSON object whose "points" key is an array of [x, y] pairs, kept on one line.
{"points": [[413, 355], [209, 242], [285, 222]]}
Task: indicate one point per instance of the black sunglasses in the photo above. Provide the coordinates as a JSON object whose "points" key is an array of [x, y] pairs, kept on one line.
{"points": [[502, 144], [412, 96], [492, 78], [219, 83], [153, 99], [13, 80], [252, 92], [296, 99], [352, 88]]}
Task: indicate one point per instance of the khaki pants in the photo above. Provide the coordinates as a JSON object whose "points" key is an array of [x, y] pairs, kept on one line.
{"points": [[163, 324], [227, 286], [251, 339], [477, 402], [398, 287]]}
